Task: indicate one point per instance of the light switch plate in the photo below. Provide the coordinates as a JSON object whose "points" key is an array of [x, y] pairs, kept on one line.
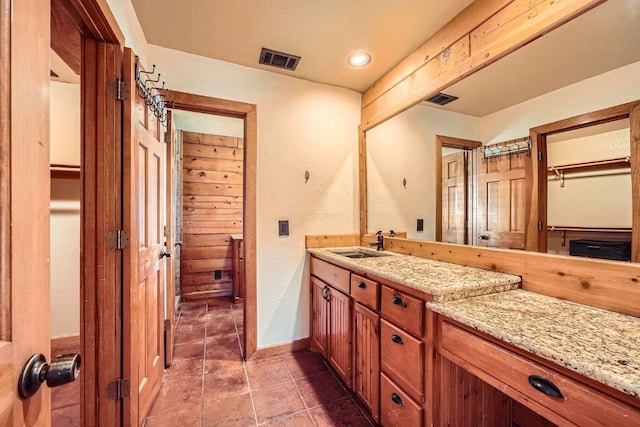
{"points": [[420, 225]]}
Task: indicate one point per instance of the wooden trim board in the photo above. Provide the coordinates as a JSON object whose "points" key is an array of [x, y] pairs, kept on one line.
{"points": [[65, 341], [610, 285], [536, 171], [480, 35], [274, 350], [331, 241]]}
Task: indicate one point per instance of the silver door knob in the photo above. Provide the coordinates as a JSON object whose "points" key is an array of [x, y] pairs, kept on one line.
{"points": [[62, 370], [483, 237]]}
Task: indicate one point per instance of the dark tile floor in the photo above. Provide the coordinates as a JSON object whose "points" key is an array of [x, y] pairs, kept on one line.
{"points": [[209, 384]]}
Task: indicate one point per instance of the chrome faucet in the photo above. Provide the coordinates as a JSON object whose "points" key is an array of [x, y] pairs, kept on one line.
{"points": [[392, 233], [379, 243]]}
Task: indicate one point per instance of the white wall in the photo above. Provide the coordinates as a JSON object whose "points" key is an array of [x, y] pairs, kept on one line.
{"points": [[606, 90], [404, 147], [596, 198], [208, 123], [64, 108], [65, 258], [65, 211], [301, 126], [128, 22]]}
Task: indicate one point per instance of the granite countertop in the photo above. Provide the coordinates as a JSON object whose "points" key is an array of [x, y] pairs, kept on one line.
{"points": [[444, 281], [599, 344]]}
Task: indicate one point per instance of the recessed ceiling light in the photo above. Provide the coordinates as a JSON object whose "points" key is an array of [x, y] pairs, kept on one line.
{"points": [[359, 59]]}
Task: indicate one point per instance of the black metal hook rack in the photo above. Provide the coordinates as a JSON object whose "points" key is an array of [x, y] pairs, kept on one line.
{"points": [[509, 148], [155, 98]]}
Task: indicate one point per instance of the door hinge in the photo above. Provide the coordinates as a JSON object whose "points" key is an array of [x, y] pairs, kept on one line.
{"points": [[118, 389], [539, 225], [118, 239], [118, 90], [167, 324], [539, 156], [167, 138], [466, 224]]}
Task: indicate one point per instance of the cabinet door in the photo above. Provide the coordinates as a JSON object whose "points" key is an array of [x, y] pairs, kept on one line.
{"points": [[340, 333], [319, 317], [366, 370]]}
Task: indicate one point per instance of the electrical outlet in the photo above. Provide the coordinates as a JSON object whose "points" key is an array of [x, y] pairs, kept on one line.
{"points": [[420, 225], [283, 228], [217, 274]]}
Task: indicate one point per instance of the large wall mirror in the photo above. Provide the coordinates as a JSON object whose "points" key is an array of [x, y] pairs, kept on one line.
{"points": [[459, 172]]}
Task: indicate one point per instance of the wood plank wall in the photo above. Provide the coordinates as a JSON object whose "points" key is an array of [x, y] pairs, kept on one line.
{"points": [[212, 210]]}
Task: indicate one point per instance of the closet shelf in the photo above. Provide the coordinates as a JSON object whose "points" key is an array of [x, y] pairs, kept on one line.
{"points": [[59, 171], [590, 229], [561, 170], [567, 229]]}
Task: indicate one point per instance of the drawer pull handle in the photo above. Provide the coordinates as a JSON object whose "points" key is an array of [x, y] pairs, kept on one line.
{"points": [[397, 399], [398, 301], [545, 386], [397, 339], [362, 285]]}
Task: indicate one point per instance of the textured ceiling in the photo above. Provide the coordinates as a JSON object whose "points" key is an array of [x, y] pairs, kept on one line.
{"points": [[323, 32]]}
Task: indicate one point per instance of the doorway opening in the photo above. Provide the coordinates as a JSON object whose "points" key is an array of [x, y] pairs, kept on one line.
{"points": [[605, 159], [455, 189], [210, 216], [185, 102], [65, 204]]}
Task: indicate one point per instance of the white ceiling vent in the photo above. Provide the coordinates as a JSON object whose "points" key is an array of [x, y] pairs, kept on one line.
{"points": [[279, 59], [441, 99]]}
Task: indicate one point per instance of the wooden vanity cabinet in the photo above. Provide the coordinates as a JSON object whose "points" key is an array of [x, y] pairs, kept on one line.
{"points": [[366, 361], [319, 317], [379, 354], [331, 316], [580, 401]]}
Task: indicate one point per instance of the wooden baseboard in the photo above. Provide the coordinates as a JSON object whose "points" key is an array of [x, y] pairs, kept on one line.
{"points": [[301, 344], [65, 341], [206, 295]]}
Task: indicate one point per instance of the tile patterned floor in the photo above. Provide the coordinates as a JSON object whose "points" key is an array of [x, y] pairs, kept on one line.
{"points": [[209, 384]]}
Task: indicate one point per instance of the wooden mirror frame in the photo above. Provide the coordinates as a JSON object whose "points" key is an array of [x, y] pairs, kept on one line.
{"points": [[463, 46]]}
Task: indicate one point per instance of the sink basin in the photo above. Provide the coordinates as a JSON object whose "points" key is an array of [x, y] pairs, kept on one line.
{"points": [[359, 253]]}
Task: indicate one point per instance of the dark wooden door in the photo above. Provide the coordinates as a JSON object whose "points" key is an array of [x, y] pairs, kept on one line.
{"points": [[143, 294], [501, 202], [319, 316], [454, 198], [340, 333], [366, 370]]}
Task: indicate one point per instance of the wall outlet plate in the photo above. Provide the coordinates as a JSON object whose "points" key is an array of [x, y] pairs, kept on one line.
{"points": [[217, 274], [420, 226], [283, 228]]}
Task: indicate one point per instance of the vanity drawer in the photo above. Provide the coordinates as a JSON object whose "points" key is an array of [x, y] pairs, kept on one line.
{"points": [[364, 291], [404, 310], [580, 404], [396, 407], [402, 358], [331, 274]]}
